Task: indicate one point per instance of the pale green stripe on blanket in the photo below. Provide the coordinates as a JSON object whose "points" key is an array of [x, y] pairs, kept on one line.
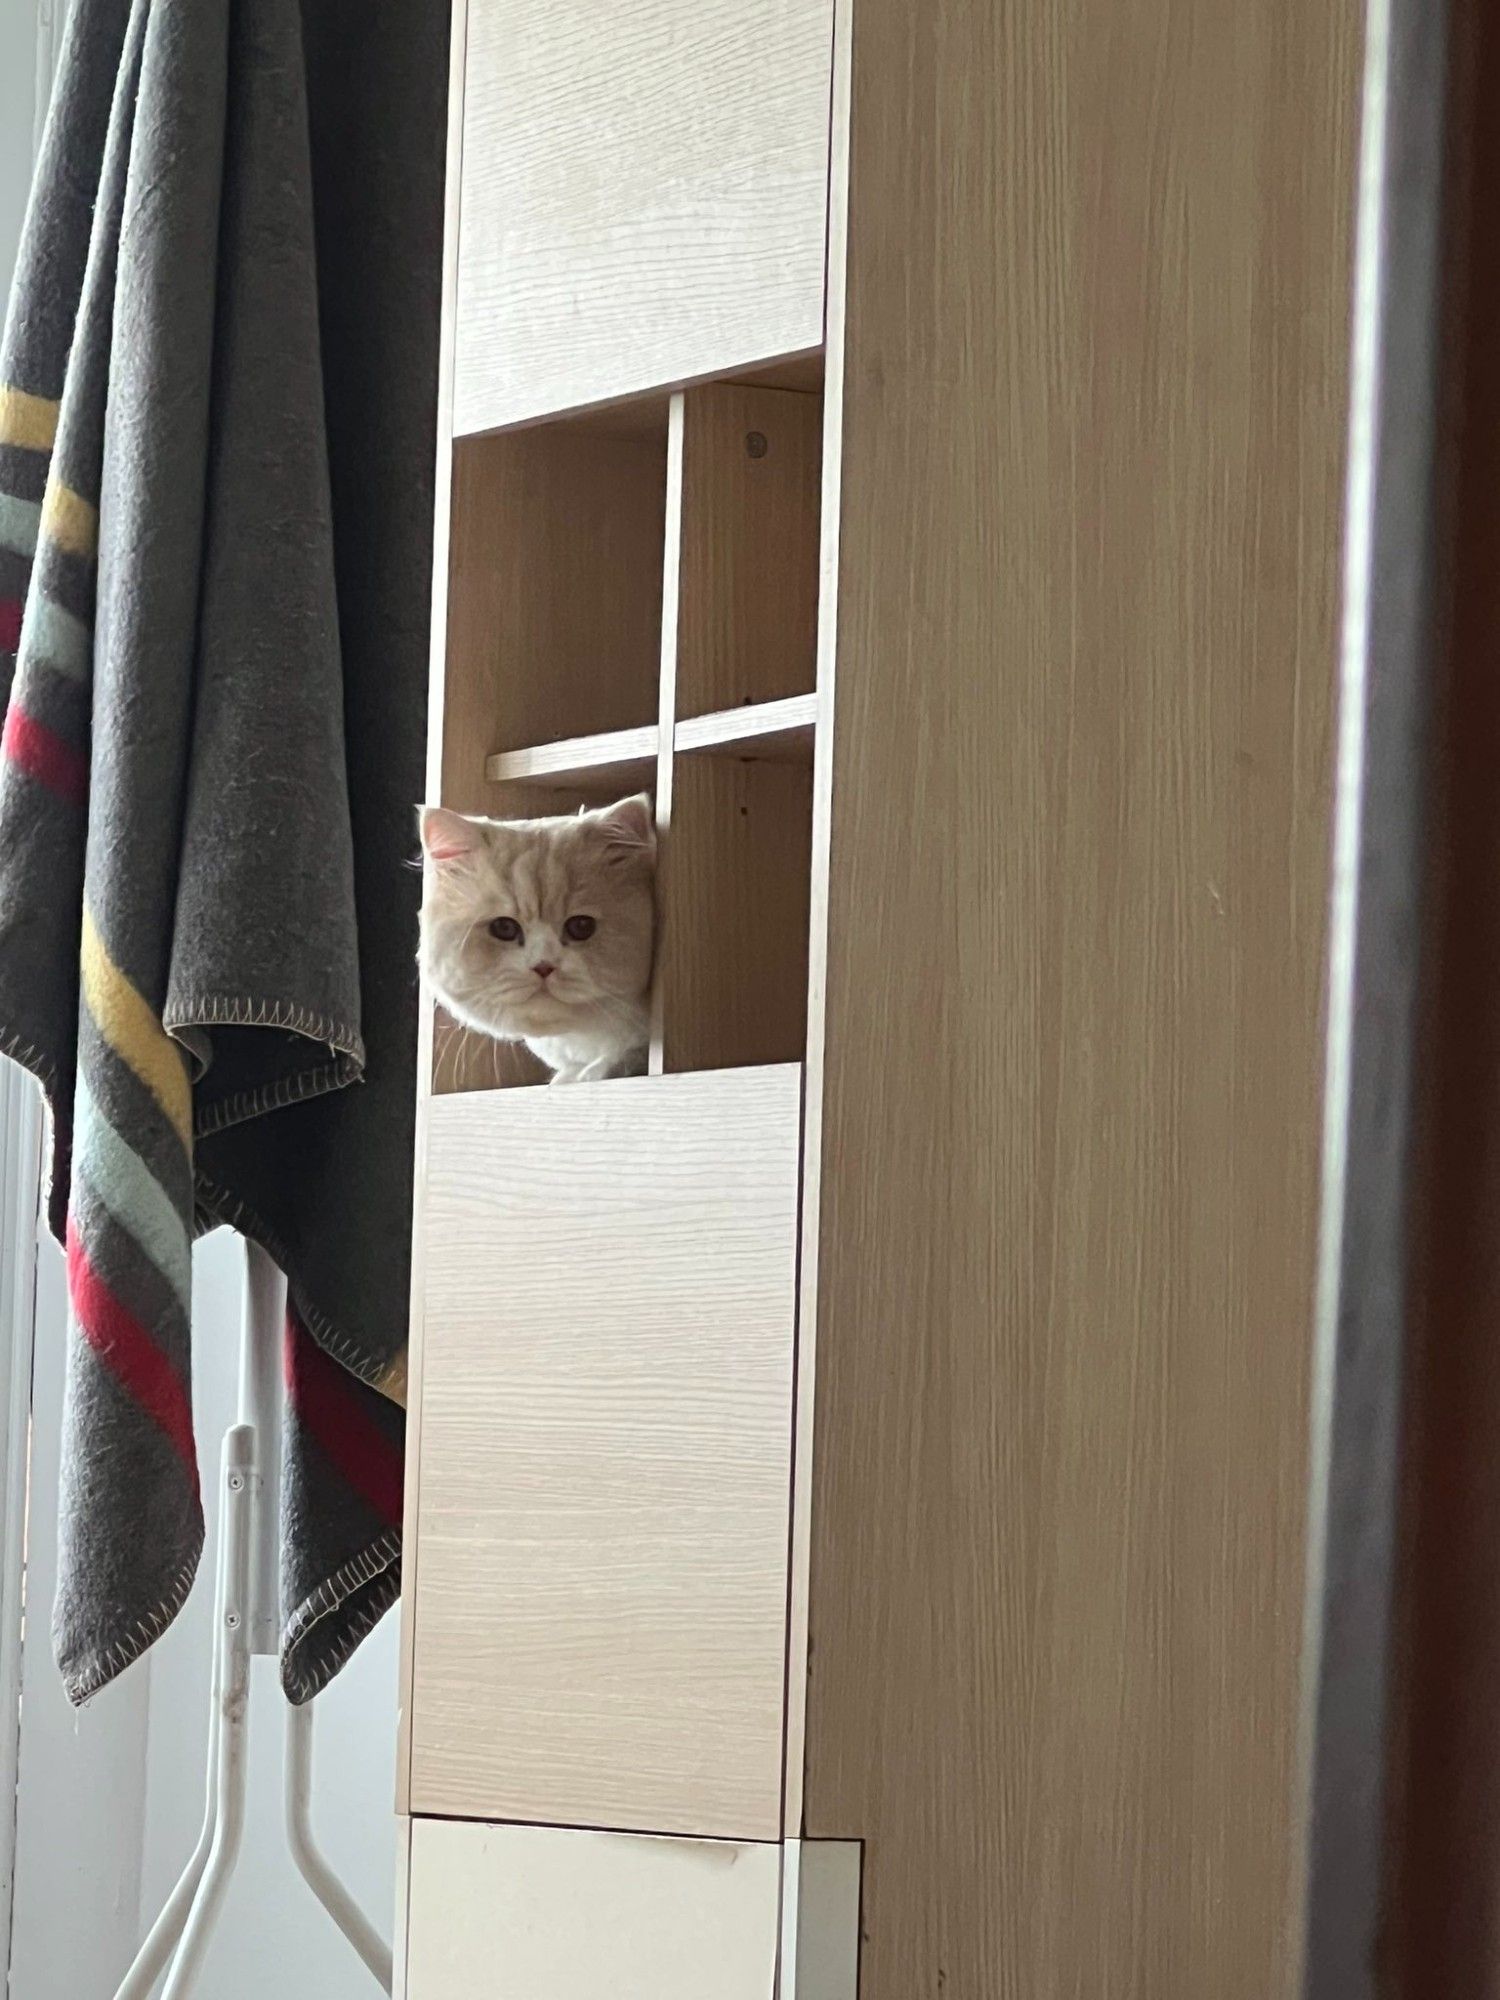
{"points": [[55, 638], [19, 522], [133, 1195]]}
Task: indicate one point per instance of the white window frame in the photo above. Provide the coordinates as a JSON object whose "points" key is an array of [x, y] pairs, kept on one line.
{"points": [[20, 1189], [20, 1161]]}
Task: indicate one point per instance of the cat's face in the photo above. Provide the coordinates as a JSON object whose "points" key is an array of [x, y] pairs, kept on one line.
{"points": [[537, 927]]}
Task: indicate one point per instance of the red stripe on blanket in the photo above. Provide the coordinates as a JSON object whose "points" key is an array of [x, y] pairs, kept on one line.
{"points": [[326, 1399], [10, 624], [42, 754], [129, 1353]]}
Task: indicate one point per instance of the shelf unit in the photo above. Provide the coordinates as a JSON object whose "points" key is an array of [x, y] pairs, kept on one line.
{"points": [[856, 1470], [660, 559]]}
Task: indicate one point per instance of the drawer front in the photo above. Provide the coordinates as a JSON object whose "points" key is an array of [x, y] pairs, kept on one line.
{"points": [[644, 196], [603, 1489], [542, 1914]]}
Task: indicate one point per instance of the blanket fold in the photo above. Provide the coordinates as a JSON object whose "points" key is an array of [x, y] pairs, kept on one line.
{"points": [[212, 661]]}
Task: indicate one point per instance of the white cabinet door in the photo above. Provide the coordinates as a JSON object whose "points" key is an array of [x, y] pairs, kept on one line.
{"points": [[534, 1913]]}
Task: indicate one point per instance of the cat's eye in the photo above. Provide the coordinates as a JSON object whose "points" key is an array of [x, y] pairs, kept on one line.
{"points": [[576, 929], [507, 930]]}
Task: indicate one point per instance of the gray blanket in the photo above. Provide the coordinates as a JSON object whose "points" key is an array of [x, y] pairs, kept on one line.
{"points": [[216, 405]]}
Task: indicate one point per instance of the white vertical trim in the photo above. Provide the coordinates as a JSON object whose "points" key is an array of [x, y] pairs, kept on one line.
{"points": [[820, 1920], [20, 1178], [1348, 820], [20, 1189], [1391, 578]]}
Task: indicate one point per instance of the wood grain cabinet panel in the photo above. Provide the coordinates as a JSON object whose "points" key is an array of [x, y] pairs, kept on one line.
{"points": [[644, 197], [605, 1417]]}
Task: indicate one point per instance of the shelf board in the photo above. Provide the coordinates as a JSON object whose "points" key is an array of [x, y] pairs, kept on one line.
{"points": [[774, 731], [771, 731], [621, 753]]}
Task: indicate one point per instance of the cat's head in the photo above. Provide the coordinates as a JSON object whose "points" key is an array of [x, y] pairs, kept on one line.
{"points": [[532, 926]]}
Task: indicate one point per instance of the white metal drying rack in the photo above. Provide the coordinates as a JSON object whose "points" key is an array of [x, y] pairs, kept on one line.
{"points": [[246, 1622]]}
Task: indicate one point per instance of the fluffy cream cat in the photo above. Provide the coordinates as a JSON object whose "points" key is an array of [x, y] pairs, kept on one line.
{"points": [[541, 931]]}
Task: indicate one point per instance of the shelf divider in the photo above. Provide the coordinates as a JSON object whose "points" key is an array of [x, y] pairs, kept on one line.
{"points": [[738, 625], [671, 607]]}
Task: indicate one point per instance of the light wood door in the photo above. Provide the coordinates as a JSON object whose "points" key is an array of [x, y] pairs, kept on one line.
{"points": [[604, 1429], [644, 197], [534, 1913], [1090, 298]]}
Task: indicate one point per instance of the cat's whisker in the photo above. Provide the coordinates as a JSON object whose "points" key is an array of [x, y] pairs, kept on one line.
{"points": [[453, 1050]]}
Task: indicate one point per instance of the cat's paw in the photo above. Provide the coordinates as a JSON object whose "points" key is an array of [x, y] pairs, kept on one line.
{"points": [[569, 1075]]}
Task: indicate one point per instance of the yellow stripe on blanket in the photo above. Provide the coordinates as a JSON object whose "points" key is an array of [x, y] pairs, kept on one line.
{"points": [[27, 420], [391, 1382], [70, 519], [133, 1031]]}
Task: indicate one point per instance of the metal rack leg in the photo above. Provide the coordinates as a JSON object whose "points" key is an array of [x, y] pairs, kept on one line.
{"points": [[245, 1623], [161, 1940], [315, 1871]]}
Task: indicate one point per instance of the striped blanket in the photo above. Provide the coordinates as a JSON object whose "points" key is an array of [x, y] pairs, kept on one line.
{"points": [[213, 580]]}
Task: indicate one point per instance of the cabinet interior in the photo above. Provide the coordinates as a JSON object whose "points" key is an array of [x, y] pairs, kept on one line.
{"points": [[632, 606]]}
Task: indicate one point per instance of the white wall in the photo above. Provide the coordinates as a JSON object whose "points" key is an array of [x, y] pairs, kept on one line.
{"points": [[18, 69], [82, 1775], [111, 1798]]}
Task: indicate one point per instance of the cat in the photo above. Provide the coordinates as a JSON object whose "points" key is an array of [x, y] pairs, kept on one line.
{"points": [[542, 931]]}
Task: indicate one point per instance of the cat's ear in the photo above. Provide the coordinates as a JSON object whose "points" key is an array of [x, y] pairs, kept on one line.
{"points": [[631, 824], [448, 837]]}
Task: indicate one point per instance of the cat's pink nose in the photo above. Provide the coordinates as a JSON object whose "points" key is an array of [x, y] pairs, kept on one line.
{"points": [[543, 970]]}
